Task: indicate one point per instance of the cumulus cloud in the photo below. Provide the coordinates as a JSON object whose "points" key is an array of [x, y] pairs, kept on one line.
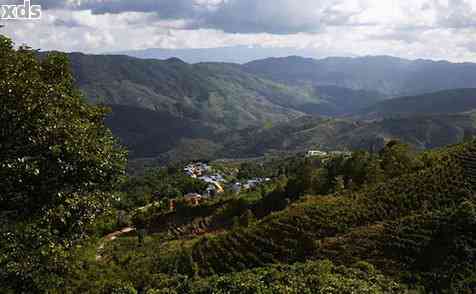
{"points": [[241, 16], [455, 13], [438, 29]]}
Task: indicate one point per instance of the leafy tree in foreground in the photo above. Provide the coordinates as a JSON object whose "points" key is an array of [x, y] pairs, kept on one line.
{"points": [[58, 167]]}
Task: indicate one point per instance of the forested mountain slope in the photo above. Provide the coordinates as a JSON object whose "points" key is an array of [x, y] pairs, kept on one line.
{"points": [[387, 75], [309, 132], [443, 102], [217, 94], [163, 108]]}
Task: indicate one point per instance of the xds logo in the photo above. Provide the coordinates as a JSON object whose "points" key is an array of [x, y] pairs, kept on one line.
{"points": [[20, 12]]}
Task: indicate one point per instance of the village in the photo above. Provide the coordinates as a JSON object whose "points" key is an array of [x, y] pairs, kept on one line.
{"points": [[217, 183]]}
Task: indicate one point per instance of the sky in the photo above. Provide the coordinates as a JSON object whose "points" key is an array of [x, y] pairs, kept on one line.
{"points": [[431, 29]]}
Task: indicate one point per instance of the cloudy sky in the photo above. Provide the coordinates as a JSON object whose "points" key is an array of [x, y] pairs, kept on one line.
{"points": [[434, 29]]}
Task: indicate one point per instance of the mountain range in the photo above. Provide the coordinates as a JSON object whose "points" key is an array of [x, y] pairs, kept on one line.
{"points": [[387, 75], [441, 102], [172, 109], [230, 54]]}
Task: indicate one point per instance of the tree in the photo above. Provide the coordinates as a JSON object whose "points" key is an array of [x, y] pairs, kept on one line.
{"points": [[361, 169], [59, 166], [397, 159], [302, 181], [250, 170]]}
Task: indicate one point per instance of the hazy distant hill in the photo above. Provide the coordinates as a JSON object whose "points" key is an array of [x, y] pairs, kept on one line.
{"points": [[388, 75], [342, 101], [230, 54], [449, 101]]}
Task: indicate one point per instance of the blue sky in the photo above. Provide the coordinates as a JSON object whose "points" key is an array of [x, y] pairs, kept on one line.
{"points": [[434, 29]]}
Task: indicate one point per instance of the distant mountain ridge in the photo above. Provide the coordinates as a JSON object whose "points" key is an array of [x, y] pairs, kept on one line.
{"points": [[220, 95], [442, 102], [390, 76], [230, 54], [223, 95]]}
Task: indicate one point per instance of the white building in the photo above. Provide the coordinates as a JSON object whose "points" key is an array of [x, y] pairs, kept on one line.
{"points": [[316, 153]]}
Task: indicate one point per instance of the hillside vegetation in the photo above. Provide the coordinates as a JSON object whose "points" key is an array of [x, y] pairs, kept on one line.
{"points": [[309, 132], [220, 95], [387, 75], [170, 110], [444, 102], [294, 234], [385, 219], [394, 221]]}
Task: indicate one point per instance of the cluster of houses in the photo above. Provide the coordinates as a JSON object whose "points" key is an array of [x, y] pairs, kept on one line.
{"points": [[249, 184], [202, 172], [205, 173], [197, 169]]}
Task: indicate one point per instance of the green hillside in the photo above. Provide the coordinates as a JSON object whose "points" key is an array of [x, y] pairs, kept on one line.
{"points": [[413, 233], [393, 77], [148, 133], [170, 109], [444, 102], [330, 134], [220, 94], [167, 138], [294, 234], [341, 101], [216, 94]]}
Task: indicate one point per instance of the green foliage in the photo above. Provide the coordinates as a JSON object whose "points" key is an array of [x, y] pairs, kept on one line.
{"points": [[417, 229], [249, 170], [58, 163], [440, 186], [397, 159], [449, 101], [438, 247], [310, 277]]}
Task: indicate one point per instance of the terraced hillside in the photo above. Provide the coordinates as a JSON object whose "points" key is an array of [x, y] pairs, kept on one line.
{"points": [[417, 230], [365, 226]]}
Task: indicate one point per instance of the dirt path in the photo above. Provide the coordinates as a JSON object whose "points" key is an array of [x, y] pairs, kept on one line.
{"points": [[110, 237]]}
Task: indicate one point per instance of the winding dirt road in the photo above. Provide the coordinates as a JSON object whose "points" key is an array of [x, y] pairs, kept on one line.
{"points": [[110, 237]]}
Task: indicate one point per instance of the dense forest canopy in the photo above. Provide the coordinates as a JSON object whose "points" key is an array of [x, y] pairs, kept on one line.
{"points": [[59, 165]]}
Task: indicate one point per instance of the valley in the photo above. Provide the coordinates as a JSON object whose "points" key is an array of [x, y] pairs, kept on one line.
{"points": [[161, 108]]}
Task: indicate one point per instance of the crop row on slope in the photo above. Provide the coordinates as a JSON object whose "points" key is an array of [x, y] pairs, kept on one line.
{"points": [[434, 249], [299, 228], [303, 278]]}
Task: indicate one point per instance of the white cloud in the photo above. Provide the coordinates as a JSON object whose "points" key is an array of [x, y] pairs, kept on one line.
{"points": [[434, 29]]}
